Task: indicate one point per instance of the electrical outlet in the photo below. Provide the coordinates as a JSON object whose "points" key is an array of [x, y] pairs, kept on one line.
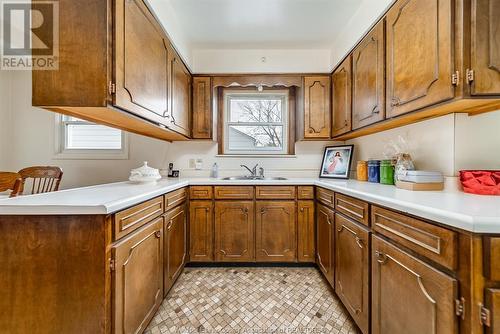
{"points": [[198, 164], [192, 163]]}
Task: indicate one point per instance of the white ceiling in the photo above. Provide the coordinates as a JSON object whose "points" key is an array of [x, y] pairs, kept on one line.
{"points": [[260, 24]]}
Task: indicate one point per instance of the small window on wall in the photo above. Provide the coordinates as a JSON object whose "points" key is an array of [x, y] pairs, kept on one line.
{"points": [[79, 139], [256, 123]]}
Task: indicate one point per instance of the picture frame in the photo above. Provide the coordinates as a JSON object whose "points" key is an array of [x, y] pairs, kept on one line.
{"points": [[336, 162]]}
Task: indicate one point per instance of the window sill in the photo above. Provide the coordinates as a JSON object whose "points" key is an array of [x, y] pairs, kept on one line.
{"points": [[286, 156]]}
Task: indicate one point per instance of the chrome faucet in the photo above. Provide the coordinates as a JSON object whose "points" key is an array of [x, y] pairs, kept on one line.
{"points": [[253, 171]]}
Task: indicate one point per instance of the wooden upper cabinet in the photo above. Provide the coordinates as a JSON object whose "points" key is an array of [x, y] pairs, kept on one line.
{"points": [[275, 231], [341, 98], [352, 269], [485, 47], [317, 107], [137, 278], [234, 231], [368, 79], [409, 296], [325, 241], [141, 62], [306, 245], [175, 246], [202, 111], [201, 231], [419, 55], [180, 97]]}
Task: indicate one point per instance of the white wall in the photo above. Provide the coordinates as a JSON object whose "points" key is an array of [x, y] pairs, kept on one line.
{"points": [[5, 112]]}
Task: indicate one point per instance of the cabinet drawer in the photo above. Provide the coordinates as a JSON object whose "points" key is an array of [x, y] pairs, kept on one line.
{"points": [[305, 192], [491, 248], [434, 242], [132, 218], [325, 196], [353, 208], [175, 198], [201, 192], [275, 192], [234, 192]]}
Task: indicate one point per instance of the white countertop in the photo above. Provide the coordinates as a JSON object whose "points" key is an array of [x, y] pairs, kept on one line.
{"points": [[480, 214]]}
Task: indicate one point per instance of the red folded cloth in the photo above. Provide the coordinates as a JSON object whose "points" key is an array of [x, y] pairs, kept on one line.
{"points": [[480, 182]]}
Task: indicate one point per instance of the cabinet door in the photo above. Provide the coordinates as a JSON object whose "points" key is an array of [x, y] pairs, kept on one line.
{"points": [[137, 278], [141, 62], [275, 231], [492, 301], [341, 98], [202, 111], [409, 296], [175, 245], [352, 269], [485, 47], [201, 231], [325, 241], [180, 97], [317, 107], [368, 79], [305, 227], [234, 231], [419, 55]]}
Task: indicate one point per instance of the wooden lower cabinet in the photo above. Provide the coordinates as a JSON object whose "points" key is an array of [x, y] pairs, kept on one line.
{"points": [[234, 231], [352, 269], [137, 278], [201, 231], [409, 296], [175, 246], [275, 231], [306, 244], [325, 241], [492, 301]]}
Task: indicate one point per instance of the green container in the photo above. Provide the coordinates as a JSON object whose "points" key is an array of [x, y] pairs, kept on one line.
{"points": [[386, 172]]}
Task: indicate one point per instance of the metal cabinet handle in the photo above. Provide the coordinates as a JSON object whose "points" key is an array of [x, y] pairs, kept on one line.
{"points": [[158, 234], [381, 257], [359, 241]]}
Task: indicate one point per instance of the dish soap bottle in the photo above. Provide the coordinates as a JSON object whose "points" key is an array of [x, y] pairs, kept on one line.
{"points": [[215, 171]]}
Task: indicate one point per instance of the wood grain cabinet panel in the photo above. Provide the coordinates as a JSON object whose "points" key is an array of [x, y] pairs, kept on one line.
{"points": [[408, 296], [201, 192], [492, 300], [352, 269], [368, 79], [202, 110], [275, 231], [180, 97], [141, 86], [201, 230], [234, 192], [485, 47], [353, 208], [137, 278], [174, 198], [434, 242], [325, 220], [275, 192], [175, 246], [317, 107], [491, 249], [342, 98], [325, 196], [419, 55], [234, 231], [306, 244], [305, 192], [132, 218]]}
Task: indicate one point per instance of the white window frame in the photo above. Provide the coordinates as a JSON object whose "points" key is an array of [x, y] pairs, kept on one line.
{"points": [[63, 153], [281, 94]]}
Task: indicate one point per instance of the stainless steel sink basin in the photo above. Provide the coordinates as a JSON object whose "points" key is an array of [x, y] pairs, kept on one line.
{"points": [[256, 178]]}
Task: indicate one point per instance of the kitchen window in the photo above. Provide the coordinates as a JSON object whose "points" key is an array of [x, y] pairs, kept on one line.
{"points": [[256, 123], [79, 139]]}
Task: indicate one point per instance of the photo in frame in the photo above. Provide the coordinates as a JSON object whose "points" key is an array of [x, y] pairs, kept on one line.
{"points": [[336, 162]]}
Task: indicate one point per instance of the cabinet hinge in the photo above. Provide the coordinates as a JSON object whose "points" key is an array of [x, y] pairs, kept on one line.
{"points": [[470, 75], [460, 308], [112, 265], [485, 316], [455, 77], [112, 88]]}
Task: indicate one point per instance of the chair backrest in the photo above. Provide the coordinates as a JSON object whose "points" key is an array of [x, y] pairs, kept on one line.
{"points": [[10, 181], [43, 178]]}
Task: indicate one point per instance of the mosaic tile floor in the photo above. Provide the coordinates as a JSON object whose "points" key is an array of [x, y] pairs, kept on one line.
{"points": [[251, 300]]}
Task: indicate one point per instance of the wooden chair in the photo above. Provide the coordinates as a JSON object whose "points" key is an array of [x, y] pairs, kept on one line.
{"points": [[44, 179], [10, 181]]}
